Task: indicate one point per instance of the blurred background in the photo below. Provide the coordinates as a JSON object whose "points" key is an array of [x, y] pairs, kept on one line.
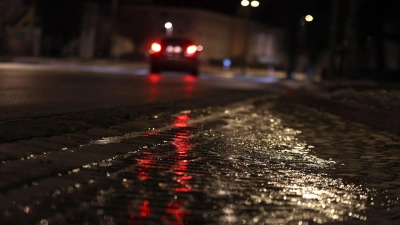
{"points": [[314, 39]]}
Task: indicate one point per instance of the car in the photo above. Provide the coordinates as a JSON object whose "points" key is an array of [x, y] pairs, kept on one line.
{"points": [[175, 54]]}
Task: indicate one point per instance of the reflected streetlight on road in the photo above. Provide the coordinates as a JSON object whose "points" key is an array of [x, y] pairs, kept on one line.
{"points": [[168, 26]]}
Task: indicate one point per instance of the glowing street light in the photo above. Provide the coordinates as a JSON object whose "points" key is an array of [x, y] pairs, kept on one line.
{"points": [[168, 26], [247, 12], [309, 18], [245, 3], [255, 3]]}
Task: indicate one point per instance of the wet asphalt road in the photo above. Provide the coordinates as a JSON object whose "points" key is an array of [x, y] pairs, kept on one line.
{"points": [[247, 157], [35, 90]]}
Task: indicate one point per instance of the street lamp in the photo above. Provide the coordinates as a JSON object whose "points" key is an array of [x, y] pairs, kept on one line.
{"points": [[168, 26], [245, 3], [254, 4], [309, 18]]}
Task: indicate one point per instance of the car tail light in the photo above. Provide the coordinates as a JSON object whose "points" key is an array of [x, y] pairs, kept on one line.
{"points": [[155, 47], [191, 49]]}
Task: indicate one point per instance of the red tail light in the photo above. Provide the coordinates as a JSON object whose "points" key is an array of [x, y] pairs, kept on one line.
{"points": [[191, 49], [155, 47]]}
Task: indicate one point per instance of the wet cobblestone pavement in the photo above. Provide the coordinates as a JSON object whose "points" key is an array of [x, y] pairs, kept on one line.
{"points": [[261, 161]]}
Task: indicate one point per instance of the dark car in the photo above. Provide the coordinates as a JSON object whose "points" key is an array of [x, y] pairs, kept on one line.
{"points": [[175, 54]]}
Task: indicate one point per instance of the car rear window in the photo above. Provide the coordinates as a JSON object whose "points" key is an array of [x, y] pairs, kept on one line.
{"points": [[176, 41]]}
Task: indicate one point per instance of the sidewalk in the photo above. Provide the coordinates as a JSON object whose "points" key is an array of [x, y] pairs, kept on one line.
{"points": [[361, 101]]}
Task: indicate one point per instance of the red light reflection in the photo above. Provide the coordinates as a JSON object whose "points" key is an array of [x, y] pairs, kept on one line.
{"points": [[152, 133], [189, 85], [182, 145], [154, 77], [144, 209], [190, 78], [181, 121], [154, 89], [184, 117], [137, 219], [145, 164], [175, 212], [180, 214]]}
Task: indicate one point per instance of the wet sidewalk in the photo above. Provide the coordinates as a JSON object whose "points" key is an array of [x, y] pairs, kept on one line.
{"points": [[372, 103], [259, 161]]}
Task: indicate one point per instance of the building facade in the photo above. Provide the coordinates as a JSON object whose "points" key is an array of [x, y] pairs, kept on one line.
{"points": [[222, 36]]}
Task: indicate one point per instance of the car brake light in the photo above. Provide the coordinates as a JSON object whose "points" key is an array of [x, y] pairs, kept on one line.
{"points": [[191, 49], [156, 47]]}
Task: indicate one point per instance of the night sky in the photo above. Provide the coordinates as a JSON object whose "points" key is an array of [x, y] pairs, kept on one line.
{"points": [[63, 15], [223, 6], [273, 12]]}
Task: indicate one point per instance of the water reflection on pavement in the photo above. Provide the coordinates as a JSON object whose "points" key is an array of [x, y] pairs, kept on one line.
{"points": [[242, 167], [251, 170]]}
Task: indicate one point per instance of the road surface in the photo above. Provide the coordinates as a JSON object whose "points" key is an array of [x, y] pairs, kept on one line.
{"points": [[35, 90], [125, 149]]}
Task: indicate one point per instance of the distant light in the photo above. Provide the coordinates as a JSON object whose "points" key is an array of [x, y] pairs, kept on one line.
{"points": [[226, 63], [177, 49], [44, 222], [156, 47], [199, 48], [191, 49], [255, 3], [170, 48], [245, 3], [168, 25], [309, 18]]}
